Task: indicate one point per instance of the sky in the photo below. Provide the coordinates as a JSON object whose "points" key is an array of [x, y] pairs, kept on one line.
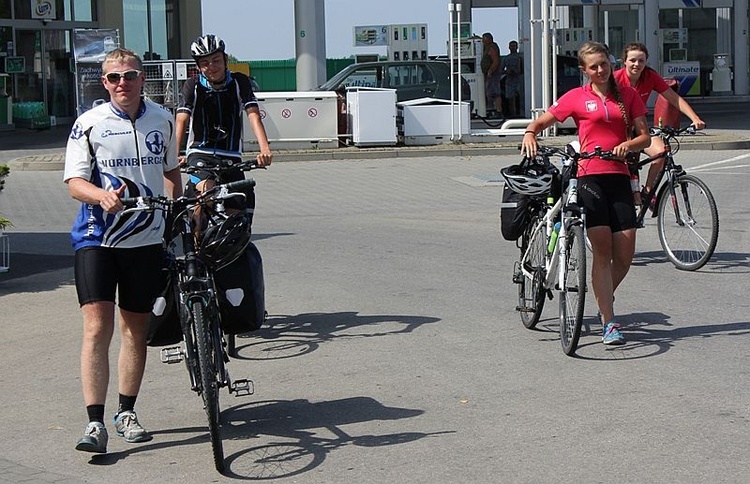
{"points": [[264, 29]]}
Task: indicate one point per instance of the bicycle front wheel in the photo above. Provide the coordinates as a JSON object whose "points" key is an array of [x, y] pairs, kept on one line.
{"points": [[573, 290], [688, 223], [209, 379]]}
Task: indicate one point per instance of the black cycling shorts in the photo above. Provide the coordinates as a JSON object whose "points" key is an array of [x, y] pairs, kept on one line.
{"points": [[135, 274], [607, 200]]}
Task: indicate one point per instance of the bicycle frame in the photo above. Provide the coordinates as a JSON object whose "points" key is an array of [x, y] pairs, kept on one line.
{"points": [[669, 172], [551, 261], [555, 273]]}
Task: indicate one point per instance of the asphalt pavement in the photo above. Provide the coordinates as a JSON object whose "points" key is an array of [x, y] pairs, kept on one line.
{"points": [[393, 351]]}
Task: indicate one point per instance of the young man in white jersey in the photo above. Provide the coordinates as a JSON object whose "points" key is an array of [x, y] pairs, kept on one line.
{"points": [[123, 148]]}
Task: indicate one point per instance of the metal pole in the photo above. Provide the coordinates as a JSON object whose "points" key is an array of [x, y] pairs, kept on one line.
{"points": [[553, 55], [533, 23], [458, 70], [451, 7], [545, 58]]}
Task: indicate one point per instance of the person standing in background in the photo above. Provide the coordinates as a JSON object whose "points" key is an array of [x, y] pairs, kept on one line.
{"points": [[512, 69], [490, 65]]}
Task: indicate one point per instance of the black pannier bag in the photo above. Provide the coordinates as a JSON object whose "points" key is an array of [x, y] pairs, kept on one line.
{"points": [[241, 293], [514, 213], [164, 324]]}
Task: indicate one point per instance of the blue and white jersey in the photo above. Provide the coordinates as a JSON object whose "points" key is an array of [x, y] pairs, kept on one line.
{"points": [[109, 150]]}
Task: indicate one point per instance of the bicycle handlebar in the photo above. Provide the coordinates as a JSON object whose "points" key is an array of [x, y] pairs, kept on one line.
{"points": [[670, 132], [218, 164], [217, 193]]}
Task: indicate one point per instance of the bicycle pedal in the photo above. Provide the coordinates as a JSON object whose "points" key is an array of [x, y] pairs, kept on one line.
{"points": [[242, 388], [172, 354]]}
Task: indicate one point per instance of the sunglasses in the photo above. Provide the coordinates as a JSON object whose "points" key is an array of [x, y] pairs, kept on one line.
{"points": [[114, 77]]}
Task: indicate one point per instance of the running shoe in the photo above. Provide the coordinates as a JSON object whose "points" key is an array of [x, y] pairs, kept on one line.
{"points": [[94, 439], [611, 335], [126, 425]]}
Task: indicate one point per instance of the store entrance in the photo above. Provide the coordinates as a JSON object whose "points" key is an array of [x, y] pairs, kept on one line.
{"points": [[47, 87]]}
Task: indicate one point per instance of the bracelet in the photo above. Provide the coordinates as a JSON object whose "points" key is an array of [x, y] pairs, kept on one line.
{"points": [[527, 132]]}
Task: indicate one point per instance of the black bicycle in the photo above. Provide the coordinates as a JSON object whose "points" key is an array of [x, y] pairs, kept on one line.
{"points": [[685, 209], [205, 350], [218, 167]]}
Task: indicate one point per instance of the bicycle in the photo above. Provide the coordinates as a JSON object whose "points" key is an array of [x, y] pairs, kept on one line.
{"points": [[685, 209], [218, 167], [553, 250], [205, 350]]}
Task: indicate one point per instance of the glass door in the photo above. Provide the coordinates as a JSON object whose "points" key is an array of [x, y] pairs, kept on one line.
{"points": [[59, 78], [48, 84]]}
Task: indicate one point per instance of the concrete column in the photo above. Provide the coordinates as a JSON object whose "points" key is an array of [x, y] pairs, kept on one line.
{"points": [[650, 33], [310, 43], [111, 15], [190, 26], [740, 57], [591, 19]]}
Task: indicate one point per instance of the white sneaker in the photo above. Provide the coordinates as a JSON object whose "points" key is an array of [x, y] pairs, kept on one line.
{"points": [[94, 439], [126, 425]]}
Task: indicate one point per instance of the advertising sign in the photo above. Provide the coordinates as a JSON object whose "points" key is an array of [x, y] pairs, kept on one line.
{"points": [[91, 45], [688, 74], [370, 35], [15, 65], [43, 9]]}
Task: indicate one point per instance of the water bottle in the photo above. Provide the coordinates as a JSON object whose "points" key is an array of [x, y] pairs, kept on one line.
{"points": [[553, 238]]}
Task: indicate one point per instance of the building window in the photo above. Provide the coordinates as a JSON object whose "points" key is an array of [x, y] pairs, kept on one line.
{"points": [[151, 28], [83, 10]]}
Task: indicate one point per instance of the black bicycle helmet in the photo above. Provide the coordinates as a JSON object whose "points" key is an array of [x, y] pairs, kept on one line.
{"points": [[532, 179], [206, 45], [223, 243]]}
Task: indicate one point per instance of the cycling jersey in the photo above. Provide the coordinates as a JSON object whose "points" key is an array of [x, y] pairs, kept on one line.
{"points": [[216, 114], [599, 122], [649, 81], [107, 149]]}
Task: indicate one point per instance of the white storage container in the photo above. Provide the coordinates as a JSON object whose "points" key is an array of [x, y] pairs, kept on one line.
{"points": [[295, 120]]}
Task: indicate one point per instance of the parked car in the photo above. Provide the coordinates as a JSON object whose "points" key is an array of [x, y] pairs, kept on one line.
{"points": [[411, 79]]}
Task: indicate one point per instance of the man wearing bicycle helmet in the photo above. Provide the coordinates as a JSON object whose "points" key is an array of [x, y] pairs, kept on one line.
{"points": [[210, 113]]}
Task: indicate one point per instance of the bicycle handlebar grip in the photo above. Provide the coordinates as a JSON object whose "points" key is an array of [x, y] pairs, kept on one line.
{"points": [[239, 186], [129, 201]]}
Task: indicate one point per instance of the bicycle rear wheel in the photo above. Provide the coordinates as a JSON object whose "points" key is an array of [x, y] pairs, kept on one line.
{"points": [[573, 291], [207, 361], [688, 223], [531, 291]]}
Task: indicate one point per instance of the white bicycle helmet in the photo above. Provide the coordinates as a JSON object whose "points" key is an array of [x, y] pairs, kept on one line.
{"points": [[529, 180], [206, 45]]}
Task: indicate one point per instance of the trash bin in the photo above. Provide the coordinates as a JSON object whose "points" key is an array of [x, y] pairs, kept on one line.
{"points": [[664, 113]]}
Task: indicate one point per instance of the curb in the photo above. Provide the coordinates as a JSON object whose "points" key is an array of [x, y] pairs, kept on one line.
{"points": [[56, 162]]}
